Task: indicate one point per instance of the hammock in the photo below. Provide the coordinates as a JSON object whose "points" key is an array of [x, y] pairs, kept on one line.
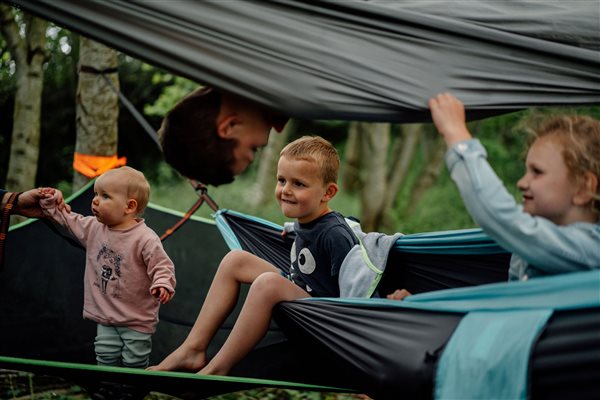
{"points": [[374, 346], [534, 339]]}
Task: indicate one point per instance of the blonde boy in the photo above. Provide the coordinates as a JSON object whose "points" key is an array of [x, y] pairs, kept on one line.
{"points": [[306, 182]]}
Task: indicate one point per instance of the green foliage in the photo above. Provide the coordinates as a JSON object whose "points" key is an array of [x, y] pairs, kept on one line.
{"points": [[440, 208], [177, 89]]}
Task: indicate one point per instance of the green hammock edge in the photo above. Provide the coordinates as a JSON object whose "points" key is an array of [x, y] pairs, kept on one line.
{"points": [[15, 361]]}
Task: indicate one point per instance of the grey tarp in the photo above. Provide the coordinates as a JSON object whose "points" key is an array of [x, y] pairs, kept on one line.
{"points": [[363, 60]]}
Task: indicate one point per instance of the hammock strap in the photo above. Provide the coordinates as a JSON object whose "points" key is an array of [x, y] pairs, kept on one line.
{"points": [[202, 191], [93, 166], [138, 117]]}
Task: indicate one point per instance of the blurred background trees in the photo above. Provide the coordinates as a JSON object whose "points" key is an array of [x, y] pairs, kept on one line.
{"points": [[25, 39]]}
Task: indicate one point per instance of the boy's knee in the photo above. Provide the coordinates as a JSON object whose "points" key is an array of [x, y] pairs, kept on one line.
{"points": [[233, 259], [267, 282], [234, 262]]}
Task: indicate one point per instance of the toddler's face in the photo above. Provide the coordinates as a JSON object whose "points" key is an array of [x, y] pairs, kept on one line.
{"points": [[110, 200], [547, 188]]}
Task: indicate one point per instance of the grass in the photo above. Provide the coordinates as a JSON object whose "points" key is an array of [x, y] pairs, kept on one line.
{"points": [[19, 385]]}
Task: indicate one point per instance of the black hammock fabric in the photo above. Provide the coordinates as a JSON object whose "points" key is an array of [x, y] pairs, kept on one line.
{"points": [[377, 60], [393, 352], [417, 271]]}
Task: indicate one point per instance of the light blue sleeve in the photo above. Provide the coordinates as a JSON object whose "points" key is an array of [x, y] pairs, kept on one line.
{"points": [[551, 248]]}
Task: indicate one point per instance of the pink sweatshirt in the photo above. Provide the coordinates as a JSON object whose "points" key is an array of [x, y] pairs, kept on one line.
{"points": [[121, 268]]}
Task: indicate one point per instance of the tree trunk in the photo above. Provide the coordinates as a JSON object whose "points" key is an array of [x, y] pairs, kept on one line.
{"points": [[97, 111], [352, 160], [375, 140], [264, 188], [435, 150], [404, 153], [29, 55]]}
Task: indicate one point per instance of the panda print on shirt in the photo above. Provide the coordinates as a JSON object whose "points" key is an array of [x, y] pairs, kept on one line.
{"points": [[317, 253], [303, 263]]}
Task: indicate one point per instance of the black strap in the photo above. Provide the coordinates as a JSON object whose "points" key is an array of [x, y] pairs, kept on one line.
{"points": [[139, 118]]}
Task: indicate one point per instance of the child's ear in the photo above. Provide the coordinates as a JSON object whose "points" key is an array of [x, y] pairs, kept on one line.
{"points": [[589, 186], [225, 125], [132, 206], [330, 192]]}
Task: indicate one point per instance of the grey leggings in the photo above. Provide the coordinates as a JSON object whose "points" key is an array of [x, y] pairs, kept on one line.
{"points": [[120, 346]]}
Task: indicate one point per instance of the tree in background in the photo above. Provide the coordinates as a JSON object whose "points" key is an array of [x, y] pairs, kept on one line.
{"points": [[97, 103], [376, 167], [374, 145], [28, 53]]}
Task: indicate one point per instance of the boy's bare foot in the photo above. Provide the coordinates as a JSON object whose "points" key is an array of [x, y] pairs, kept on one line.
{"points": [[182, 359], [210, 369]]}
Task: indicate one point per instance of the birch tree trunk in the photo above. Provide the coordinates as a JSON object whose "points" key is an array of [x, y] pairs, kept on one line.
{"points": [[404, 154], [97, 110], [29, 55], [375, 140], [352, 160], [264, 188], [435, 149]]}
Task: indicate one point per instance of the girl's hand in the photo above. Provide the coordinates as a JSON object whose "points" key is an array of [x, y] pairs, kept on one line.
{"points": [[448, 115], [399, 294]]}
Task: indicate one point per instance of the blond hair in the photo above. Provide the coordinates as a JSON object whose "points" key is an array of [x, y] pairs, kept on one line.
{"points": [[579, 137], [137, 185], [318, 150]]}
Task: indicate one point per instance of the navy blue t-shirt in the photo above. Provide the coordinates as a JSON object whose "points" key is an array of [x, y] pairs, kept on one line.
{"points": [[317, 254]]}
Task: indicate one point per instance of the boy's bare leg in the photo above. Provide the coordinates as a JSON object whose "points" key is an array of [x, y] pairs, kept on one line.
{"points": [[236, 267], [253, 322]]}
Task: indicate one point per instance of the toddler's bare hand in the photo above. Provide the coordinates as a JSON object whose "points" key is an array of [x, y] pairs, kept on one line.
{"points": [[162, 294]]}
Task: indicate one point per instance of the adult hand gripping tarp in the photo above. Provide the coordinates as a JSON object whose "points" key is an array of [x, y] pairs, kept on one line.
{"points": [[359, 60]]}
